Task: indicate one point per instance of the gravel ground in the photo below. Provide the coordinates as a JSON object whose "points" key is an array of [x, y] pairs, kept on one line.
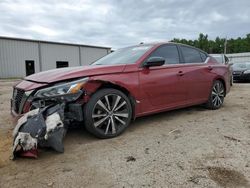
{"points": [[191, 147]]}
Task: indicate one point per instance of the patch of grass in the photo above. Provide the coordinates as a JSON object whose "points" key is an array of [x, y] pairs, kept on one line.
{"points": [[11, 78]]}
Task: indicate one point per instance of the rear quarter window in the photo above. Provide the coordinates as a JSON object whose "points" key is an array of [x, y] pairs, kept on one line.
{"points": [[191, 55], [203, 56]]}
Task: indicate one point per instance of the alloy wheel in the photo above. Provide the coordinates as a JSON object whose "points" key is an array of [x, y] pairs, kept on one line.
{"points": [[110, 114], [218, 94]]}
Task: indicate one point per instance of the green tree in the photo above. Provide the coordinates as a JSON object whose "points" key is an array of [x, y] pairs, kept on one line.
{"points": [[237, 45]]}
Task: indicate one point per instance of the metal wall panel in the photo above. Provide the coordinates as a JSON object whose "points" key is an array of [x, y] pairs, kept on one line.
{"points": [[50, 53], [89, 55], [13, 54], [239, 57]]}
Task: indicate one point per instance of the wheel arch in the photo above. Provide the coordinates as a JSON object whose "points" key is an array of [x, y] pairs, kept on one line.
{"points": [[102, 84], [223, 82]]}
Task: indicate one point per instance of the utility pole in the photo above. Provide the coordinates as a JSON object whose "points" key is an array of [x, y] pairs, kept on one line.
{"points": [[225, 46]]}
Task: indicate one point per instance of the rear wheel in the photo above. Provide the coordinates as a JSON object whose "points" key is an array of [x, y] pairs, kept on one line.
{"points": [[217, 95], [108, 113]]}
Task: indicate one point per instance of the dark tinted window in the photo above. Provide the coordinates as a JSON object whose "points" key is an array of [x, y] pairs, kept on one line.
{"points": [[191, 55], [61, 64], [168, 52], [203, 56]]}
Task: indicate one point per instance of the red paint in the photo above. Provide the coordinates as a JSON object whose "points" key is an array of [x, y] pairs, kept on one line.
{"points": [[155, 89], [27, 85], [56, 75], [33, 153], [26, 107]]}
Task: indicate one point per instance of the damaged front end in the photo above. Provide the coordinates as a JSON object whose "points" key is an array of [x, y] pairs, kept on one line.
{"points": [[42, 127], [51, 109]]}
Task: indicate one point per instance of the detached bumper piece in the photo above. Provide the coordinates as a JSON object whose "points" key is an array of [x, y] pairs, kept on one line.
{"points": [[42, 127]]}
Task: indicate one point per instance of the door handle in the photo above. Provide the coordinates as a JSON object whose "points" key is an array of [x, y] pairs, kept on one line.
{"points": [[180, 73]]}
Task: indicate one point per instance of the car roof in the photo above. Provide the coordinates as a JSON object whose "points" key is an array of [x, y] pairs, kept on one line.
{"points": [[168, 42]]}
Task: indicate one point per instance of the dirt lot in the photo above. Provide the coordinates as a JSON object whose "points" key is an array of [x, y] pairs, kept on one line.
{"points": [[191, 147]]}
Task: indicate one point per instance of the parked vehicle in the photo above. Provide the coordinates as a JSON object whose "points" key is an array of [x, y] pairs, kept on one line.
{"points": [[223, 59], [128, 83], [241, 71]]}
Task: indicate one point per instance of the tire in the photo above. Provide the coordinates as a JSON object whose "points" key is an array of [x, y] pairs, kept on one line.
{"points": [[217, 95], [231, 81], [108, 113]]}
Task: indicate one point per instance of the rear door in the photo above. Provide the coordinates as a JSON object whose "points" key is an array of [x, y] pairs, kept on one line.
{"points": [[161, 87], [197, 74]]}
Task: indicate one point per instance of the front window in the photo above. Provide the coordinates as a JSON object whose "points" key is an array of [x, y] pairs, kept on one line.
{"points": [[168, 52], [127, 55]]}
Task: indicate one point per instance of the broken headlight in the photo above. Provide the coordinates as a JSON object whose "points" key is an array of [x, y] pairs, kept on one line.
{"points": [[69, 88]]}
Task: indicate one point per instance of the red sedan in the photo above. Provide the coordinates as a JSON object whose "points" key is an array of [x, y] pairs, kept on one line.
{"points": [[130, 82]]}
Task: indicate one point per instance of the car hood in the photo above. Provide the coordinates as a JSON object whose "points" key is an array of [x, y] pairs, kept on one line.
{"points": [[56, 75]]}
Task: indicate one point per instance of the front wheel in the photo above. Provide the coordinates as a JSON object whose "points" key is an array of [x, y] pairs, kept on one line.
{"points": [[108, 113], [217, 95]]}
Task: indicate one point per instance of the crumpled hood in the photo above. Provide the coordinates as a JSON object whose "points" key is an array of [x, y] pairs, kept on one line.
{"points": [[60, 74]]}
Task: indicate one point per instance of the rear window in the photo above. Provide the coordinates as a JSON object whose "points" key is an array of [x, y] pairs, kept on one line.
{"points": [[191, 55]]}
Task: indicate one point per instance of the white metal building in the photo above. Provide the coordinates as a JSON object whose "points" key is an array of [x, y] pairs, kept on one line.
{"points": [[22, 57], [239, 57]]}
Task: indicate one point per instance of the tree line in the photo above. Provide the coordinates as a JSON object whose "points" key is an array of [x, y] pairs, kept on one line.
{"points": [[219, 45]]}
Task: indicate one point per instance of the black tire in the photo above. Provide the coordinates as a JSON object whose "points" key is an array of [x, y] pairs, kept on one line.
{"points": [[217, 95], [110, 120]]}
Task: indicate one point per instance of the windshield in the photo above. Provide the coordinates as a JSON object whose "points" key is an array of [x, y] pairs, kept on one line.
{"points": [[248, 65], [127, 55], [240, 65]]}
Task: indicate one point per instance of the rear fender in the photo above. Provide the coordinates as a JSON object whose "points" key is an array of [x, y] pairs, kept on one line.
{"points": [[225, 83]]}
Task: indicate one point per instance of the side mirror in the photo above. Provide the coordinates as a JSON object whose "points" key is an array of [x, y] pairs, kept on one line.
{"points": [[154, 61]]}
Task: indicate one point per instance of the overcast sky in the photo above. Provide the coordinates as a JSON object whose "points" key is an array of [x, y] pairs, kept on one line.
{"points": [[119, 23]]}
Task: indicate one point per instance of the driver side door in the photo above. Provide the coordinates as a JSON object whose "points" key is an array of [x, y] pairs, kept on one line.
{"points": [[161, 87]]}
